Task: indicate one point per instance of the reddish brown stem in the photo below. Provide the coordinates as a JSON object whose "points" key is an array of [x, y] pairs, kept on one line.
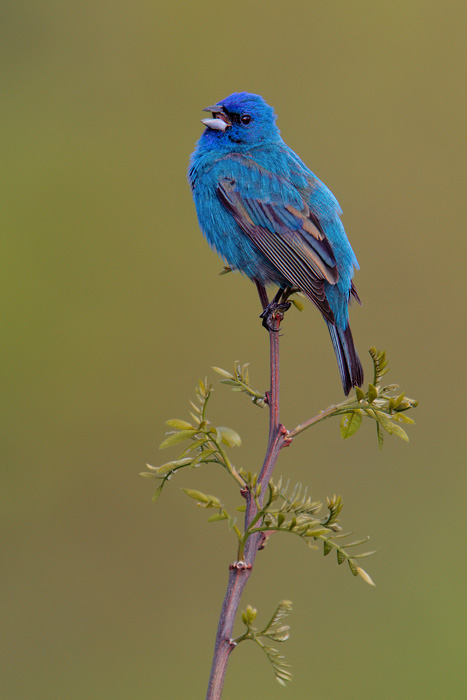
{"points": [[240, 572]]}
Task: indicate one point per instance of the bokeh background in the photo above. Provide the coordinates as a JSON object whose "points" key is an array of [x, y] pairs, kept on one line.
{"points": [[112, 308]]}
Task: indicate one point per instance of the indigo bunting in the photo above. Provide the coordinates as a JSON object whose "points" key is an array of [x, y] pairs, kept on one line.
{"points": [[267, 215]]}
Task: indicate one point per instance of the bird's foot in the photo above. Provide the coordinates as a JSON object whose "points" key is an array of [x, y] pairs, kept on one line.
{"points": [[273, 312]]}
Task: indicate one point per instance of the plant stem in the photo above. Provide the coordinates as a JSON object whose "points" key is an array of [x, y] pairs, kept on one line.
{"points": [[240, 571], [311, 421], [228, 465], [337, 410]]}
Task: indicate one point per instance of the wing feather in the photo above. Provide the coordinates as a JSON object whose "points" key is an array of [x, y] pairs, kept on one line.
{"points": [[290, 238]]}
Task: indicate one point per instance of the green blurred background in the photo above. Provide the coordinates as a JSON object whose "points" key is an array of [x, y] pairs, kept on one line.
{"points": [[112, 308]]}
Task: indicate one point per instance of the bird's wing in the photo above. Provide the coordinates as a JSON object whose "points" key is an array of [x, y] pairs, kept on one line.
{"points": [[278, 221]]}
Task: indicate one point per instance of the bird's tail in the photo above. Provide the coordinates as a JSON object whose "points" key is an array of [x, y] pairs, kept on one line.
{"points": [[350, 367]]}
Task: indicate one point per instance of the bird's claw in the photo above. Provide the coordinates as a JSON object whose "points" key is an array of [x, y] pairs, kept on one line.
{"points": [[272, 311]]}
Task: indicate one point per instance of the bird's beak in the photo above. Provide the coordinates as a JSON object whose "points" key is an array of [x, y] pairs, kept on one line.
{"points": [[220, 120], [216, 124]]}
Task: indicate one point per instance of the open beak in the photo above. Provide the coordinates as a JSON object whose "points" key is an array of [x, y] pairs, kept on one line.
{"points": [[219, 121]]}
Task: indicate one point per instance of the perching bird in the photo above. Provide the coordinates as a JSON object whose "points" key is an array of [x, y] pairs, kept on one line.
{"points": [[267, 215]]}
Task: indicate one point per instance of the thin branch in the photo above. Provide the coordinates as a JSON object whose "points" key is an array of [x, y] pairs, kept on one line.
{"points": [[240, 571], [334, 410], [311, 421]]}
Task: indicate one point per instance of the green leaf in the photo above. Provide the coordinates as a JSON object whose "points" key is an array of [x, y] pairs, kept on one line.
{"points": [[195, 444], [273, 630], [169, 466], [372, 393], [251, 613], [327, 548], [366, 577], [241, 509], [229, 437], [402, 418], [407, 403], [350, 423], [176, 438], [386, 422], [359, 393], [353, 568], [203, 497], [390, 387], [195, 462], [379, 363], [280, 519], [356, 543], [179, 424], [316, 531], [340, 557], [400, 432], [216, 517], [157, 493], [203, 456], [380, 436], [223, 373], [298, 304], [149, 475]]}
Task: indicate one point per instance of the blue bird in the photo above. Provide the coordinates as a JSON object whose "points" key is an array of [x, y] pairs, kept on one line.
{"points": [[267, 215]]}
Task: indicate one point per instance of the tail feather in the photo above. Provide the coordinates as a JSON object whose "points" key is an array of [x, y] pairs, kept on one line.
{"points": [[350, 367]]}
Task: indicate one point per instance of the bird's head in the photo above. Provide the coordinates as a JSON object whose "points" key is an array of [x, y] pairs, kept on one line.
{"points": [[240, 119]]}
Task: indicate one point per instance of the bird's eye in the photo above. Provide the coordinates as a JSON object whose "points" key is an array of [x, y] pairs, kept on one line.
{"points": [[245, 119]]}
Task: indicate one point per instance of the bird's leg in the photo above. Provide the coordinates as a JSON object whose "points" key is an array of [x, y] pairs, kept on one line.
{"points": [[278, 304], [263, 295]]}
